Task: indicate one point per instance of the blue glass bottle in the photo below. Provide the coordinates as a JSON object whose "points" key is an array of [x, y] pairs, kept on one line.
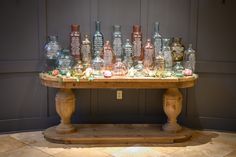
{"points": [[157, 39], [98, 39], [117, 41]]}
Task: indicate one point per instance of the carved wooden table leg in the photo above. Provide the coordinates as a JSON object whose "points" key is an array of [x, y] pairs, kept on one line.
{"points": [[172, 107], [65, 106]]}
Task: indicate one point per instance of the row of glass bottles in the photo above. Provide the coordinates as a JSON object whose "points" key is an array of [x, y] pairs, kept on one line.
{"points": [[160, 55]]}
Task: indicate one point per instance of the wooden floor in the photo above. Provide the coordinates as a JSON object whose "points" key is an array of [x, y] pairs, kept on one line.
{"points": [[117, 133]]}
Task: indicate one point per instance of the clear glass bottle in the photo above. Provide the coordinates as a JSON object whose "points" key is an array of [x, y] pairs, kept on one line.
{"points": [[97, 64], [190, 58], [157, 39], [178, 69], [75, 41], [136, 37], [167, 54], [117, 41], [65, 61], [108, 56], [149, 54], [86, 51], [139, 69], [119, 69], [177, 49], [98, 39], [52, 48], [128, 53]]}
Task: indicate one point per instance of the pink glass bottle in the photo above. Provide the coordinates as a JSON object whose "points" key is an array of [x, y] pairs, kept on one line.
{"points": [[108, 56], [136, 38], [149, 55], [75, 42]]}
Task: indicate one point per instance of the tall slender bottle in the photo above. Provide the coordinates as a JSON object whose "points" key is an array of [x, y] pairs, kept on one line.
{"points": [[117, 41], [157, 39], [128, 54], [86, 50], [136, 38], [167, 54], [149, 54], [98, 39], [75, 41], [108, 56]]}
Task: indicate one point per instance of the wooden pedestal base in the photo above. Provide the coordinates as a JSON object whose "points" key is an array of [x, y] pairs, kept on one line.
{"points": [[117, 134]]}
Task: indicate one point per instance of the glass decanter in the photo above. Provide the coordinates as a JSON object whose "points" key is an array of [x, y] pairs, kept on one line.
{"points": [[139, 69], [65, 61], [178, 69], [86, 51], [157, 39], [117, 41], [167, 54], [119, 69], [177, 49], [98, 39], [190, 58], [97, 64], [75, 42], [51, 49], [148, 55], [128, 60]]}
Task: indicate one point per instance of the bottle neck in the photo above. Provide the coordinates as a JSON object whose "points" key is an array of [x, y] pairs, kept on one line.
{"points": [[98, 26], [156, 28]]}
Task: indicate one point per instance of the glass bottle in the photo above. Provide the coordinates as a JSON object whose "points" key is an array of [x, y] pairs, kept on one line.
{"points": [[148, 60], [64, 61], [139, 69], [78, 68], [119, 69], [157, 39], [75, 41], [177, 49], [136, 38], [117, 41], [97, 64], [167, 54], [108, 56], [86, 51], [51, 49], [98, 39], [190, 58], [178, 69], [128, 53]]}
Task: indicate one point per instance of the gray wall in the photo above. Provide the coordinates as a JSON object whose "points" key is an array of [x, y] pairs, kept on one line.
{"points": [[208, 24]]}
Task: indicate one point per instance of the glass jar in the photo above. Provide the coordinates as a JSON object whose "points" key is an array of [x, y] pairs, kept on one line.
{"points": [[178, 69], [97, 64], [167, 55], [177, 49], [160, 62], [157, 39], [136, 37], [149, 54], [78, 68], [52, 48], [65, 61], [86, 51], [139, 69], [75, 41], [190, 58], [119, 69], [128, 53], [117, 41]]}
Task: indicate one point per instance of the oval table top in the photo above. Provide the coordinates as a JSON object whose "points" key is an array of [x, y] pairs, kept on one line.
{"points": [[118, 82]]}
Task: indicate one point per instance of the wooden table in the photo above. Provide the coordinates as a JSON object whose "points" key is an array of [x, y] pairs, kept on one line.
{"points": [[65, 101]]}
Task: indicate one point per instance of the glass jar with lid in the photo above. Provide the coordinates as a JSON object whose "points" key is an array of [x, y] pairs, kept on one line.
{"points": [[65, 61], [139, 69], [119, 68]]}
